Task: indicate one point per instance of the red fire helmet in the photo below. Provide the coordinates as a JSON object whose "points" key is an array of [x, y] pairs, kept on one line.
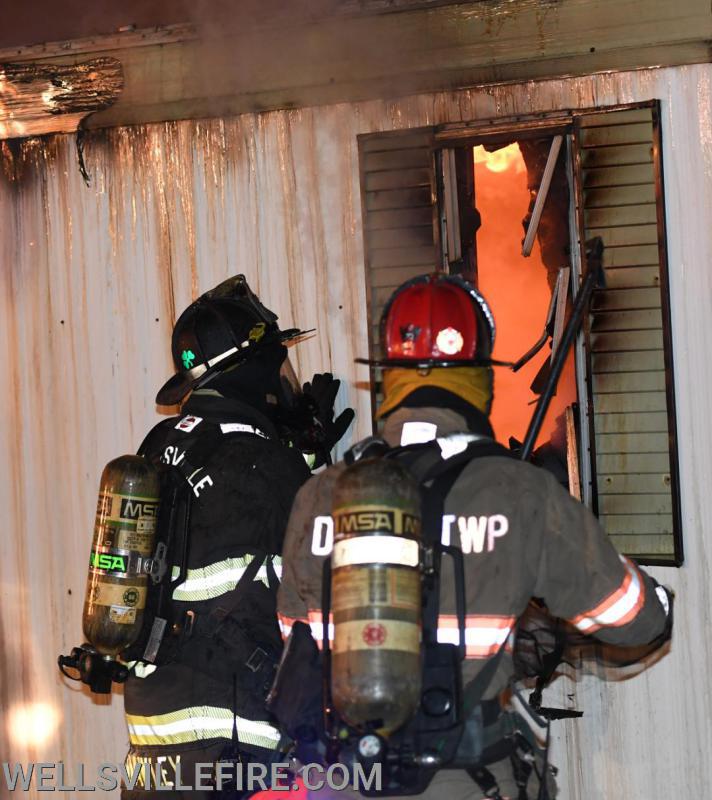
{"points": [[436, 320]]}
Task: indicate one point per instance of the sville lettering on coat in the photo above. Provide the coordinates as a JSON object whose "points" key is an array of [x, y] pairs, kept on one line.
{"points": [[199, 484], [475, 532], [172, 455]]}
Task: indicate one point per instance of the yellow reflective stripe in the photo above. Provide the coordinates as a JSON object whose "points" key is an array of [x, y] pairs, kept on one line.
{"points": [[198, 723], [213, 580]]}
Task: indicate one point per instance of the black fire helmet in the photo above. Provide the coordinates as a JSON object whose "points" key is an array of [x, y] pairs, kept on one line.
{"points": [[223, 327]]}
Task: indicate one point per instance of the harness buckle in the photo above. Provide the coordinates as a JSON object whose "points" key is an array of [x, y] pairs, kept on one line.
{"points": [[428, 559], [157, 565], [256, 661]]}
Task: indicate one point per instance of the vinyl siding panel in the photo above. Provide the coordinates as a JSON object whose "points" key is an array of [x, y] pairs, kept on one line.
{"points": [[628, 367], [402, 245]]}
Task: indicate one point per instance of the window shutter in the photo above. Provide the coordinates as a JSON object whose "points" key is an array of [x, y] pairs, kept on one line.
{"points": [[629, 334], [398, 190]]}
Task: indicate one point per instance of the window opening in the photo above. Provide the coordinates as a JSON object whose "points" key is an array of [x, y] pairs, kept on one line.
{"points": [[454, 198], [507, 181]]}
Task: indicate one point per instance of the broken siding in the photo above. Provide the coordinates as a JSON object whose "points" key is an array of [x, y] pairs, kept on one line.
{"points": [[173, 209], [633, 408]]}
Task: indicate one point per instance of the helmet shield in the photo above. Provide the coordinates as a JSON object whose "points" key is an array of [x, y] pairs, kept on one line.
{"points": [[238, 288], [291, 387]]}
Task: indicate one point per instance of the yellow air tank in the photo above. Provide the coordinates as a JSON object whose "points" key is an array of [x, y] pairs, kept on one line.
{"points": [[376, 595], [124, 538]]}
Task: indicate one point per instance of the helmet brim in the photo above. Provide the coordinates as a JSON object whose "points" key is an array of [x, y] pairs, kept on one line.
{"points": [[174, 390], [179, 385]]}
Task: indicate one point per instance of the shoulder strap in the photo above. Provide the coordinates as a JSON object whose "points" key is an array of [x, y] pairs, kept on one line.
{"points": [[441, 476], [173, 540], [433, 506]]}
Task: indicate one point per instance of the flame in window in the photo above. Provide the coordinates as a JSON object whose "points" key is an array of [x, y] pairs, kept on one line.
{"points": [[500, 160]]}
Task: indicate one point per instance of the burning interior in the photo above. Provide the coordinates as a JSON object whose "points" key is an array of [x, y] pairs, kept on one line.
{"points": [[507, 177]]}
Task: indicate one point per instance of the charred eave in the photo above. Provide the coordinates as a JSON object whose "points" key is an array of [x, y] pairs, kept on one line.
{"points": [[40, 98]]}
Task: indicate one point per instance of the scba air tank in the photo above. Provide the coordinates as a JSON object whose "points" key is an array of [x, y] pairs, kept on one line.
{"points": [[124, 538], [376, 595]]}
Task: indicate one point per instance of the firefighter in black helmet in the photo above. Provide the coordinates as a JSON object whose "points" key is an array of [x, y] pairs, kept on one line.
{"points": [[232, 462], [521, 535]]}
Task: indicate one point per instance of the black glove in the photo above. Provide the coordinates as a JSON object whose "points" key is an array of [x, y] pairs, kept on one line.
{"points": [[307, 419], [320, 394]]}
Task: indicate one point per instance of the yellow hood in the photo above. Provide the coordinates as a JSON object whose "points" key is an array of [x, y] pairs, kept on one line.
{"points": [[472, 384]]}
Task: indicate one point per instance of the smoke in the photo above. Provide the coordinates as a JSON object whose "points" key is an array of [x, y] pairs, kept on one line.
{"points": [[57, 20]]}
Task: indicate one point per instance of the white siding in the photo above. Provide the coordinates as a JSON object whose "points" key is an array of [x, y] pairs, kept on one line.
{"points": [[92, 279]]}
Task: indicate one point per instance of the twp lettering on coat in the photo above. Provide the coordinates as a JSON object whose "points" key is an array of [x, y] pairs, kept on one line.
{"points": [[476, 533]]}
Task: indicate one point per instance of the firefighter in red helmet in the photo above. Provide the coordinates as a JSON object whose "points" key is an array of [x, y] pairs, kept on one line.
{"points": [[519, 533]]}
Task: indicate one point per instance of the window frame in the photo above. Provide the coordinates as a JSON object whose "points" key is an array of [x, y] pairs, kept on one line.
{"points": [[567, 122]]}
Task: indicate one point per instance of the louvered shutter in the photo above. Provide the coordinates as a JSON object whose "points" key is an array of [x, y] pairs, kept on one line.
{"points": [[630, 351], [398, 187]]}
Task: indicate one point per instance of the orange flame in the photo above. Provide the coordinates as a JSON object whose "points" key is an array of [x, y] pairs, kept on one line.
{"points": [[500, 160]]}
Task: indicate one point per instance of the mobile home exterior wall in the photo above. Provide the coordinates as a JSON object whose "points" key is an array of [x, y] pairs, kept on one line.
{"points": [[93, 278]]}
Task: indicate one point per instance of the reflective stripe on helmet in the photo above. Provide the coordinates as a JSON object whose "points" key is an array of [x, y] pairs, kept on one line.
{"points": [[213, 580], [201, 369], [196, 724]]}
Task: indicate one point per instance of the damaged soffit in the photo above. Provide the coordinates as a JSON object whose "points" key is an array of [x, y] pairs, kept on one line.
{"points": [[40, 98]]}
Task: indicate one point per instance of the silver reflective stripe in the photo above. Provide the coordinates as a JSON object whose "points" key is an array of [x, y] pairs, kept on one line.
{"points": [[196, 724], [241, 427], [213, 580]]}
